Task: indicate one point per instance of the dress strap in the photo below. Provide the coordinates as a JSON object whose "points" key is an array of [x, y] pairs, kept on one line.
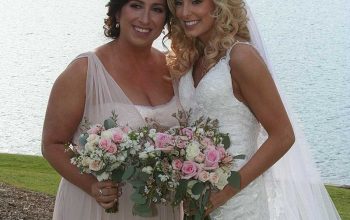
{"points": [[228, 52]]}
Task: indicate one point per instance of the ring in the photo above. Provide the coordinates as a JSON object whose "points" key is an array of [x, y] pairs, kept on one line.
{"points": [[100, 191]]}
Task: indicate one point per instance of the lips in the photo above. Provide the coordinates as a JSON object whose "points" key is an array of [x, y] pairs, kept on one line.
{"points": [[142, 30], [191, 23]]}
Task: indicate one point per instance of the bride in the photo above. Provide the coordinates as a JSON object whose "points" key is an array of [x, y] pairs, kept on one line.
{"points": [[224, 74]]}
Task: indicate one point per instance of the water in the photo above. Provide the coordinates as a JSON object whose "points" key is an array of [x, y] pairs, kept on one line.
{"points": [[306, 41]]}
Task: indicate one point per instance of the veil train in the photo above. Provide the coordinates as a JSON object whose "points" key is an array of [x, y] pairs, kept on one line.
{"points": [[294, 187]]}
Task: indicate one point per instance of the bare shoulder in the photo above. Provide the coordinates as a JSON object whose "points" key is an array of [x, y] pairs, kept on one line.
{"points": [[246, 62], [75, 74]]}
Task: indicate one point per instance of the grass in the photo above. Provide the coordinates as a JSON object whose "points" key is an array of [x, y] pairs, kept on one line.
{"points": [[29, 172], [34, 173]]}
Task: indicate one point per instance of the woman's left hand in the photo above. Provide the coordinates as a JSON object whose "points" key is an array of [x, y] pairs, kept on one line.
{"points": [[219, 198]]}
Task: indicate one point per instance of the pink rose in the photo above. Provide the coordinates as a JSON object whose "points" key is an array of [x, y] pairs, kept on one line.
{"points": [[176, 164], [180, 143], [212, 158], [203, 176], [188, 132], [162, 140], [108, 145], [117, 135], [222, 151], [207, 142], [189, 169], [96, 129]]}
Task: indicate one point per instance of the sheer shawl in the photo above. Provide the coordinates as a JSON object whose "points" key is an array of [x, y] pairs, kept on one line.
{"points": [[294, 187]]}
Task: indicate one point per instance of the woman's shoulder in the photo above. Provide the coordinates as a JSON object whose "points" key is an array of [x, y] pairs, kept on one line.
{"points": [[245, 59]]}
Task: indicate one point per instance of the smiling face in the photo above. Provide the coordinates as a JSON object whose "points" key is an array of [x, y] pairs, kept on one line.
{"points": [[141, 21], [196, 17]]}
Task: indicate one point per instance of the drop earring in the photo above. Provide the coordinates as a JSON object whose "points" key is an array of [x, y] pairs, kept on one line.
{"points": [[117, 25]]}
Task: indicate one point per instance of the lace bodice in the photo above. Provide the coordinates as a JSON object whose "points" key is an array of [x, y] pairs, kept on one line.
{"points": [[213, 97]]}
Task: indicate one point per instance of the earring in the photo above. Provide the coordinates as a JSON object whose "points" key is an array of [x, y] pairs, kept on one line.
{"points": [[117, 25]]}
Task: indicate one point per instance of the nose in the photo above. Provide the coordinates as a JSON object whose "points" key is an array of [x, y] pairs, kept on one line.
{"points": [[184, 11], [145, 17]]}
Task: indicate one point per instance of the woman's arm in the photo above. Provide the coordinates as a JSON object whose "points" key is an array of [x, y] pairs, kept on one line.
{"points": [[254, 86], [63, 115]]}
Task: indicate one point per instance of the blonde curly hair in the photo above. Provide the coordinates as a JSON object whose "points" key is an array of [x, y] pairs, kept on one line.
{"points": [[230, 21]]}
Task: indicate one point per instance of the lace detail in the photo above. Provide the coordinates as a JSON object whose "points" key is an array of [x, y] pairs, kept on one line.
{"points": [[214, 98]]}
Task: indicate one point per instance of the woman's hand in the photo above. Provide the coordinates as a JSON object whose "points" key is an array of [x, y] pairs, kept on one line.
{"points": [[106, 193], [219, 198]]}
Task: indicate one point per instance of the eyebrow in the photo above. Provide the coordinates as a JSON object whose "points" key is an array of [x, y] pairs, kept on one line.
{"points": [[156, 4]]}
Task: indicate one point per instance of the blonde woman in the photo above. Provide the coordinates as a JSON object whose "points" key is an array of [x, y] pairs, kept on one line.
{"points": [[223, 73]]}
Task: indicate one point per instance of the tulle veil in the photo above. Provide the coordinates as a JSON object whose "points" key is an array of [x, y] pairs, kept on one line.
{"points": [[293, 184]]}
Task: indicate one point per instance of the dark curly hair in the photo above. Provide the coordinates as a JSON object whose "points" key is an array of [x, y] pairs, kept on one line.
{"points": [[115, 6]]}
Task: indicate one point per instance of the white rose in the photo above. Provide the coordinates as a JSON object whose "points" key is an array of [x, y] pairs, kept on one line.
{"points": [[108, 134], [86, 161], [222, 180], [214, 178], [90, 147], [93, 139], [95, 165], [147, 170], [192, 150]]}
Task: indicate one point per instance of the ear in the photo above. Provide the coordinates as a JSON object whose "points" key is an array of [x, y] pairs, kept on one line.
{"points": [[117, 16]]}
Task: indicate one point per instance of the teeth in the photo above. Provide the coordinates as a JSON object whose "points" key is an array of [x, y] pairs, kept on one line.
{"points": [[190, 23], [143, 30]]}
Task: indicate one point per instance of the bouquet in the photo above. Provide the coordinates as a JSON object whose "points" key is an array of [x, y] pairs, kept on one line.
{"points": [[103, 149], [182, 163]]}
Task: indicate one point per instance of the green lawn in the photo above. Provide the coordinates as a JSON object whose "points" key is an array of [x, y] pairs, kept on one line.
{"points": [[34, 173]]}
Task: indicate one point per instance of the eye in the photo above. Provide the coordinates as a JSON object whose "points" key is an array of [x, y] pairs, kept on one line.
{"points": [[136, 5], [158, 9], [178, 2], [196, 2]]}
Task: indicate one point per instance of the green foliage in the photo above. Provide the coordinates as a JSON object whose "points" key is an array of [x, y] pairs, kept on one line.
{"points": [[198, 188], [226, 141], [235, 180], [109, 123], [118, 174], [239, 157], [129, 171]]}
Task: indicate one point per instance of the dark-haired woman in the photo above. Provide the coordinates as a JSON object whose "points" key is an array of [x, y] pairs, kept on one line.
{"points": [[126, 75]]}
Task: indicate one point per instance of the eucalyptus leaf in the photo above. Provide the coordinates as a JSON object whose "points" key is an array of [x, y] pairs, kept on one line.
{"points": [[144, 176], [137, 183], [235, 180], [240, 156], [226, 141], [137, 198], [129, 171], [118, 174], [83, 139], [109, 123], [198, 188]]}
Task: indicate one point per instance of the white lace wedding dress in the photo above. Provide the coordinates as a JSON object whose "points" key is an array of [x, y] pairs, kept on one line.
{"points": [[102, 96], [274, 195]]}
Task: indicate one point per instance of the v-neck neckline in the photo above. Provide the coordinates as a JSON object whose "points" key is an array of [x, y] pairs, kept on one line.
{"points": [[116, 83]]}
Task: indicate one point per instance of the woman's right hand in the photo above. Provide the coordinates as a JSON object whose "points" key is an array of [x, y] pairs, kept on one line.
{"points": [[106, 193]]}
